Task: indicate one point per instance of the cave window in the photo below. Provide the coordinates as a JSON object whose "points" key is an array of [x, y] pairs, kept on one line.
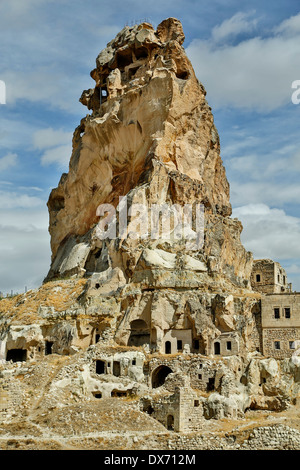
{"points": [[132, 71], [141, 53], [97, 395], [182, 74], [217, 348], [200, 376], [196, 403], [103, 95], [196, 344], [228, 345], [119, 393], [159, 376], [179, 345], [48, 347], [148, 409], [170, 423], [258, 278], [139, 333], [210, 384], [100, 367], [133, 362], [168, 347], [97, 337], [116, 368]]}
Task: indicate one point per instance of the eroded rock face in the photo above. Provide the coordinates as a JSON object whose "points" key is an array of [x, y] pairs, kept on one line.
{"points": [[151, 137]]}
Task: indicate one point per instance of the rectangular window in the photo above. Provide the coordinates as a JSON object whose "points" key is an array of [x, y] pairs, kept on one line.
{"points": [[283, 279], [179, 345], [257, 277], [287, 312], [292, 345], [277, 344], [228, 345], [278, 278], [276, 312], [200, 376], [196, 403]]}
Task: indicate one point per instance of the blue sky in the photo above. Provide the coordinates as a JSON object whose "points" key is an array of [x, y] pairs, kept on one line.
{"points": [[246, 54]]}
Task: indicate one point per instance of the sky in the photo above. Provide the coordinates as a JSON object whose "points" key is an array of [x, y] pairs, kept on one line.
{"points": [[245, 53]]}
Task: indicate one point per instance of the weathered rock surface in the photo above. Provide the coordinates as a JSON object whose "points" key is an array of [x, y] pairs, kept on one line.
{"points": [[150, 137], [132, 328]]}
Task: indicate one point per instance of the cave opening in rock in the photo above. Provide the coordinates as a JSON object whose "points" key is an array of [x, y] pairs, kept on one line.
{"points": [[48, 347], [100, 367], [159, 376], [139, 333], [16, 355]]}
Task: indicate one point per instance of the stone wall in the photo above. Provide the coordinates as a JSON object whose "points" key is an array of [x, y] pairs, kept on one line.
{"points": [[280, 324], [286, 337], [268, 277]]}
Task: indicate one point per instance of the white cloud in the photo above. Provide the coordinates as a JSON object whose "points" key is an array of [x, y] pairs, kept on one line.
{"points": [[289, 27], [294, 269], [58, 155], [256, 73], [239, 23], [254, 192], [269, 232], [8, 161], [12, 200], [47, 138], [24, 248], [272, 233], [56, 144]]}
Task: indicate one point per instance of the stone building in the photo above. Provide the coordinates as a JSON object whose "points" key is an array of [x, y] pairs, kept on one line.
{"points": [[280, 309], [280, 324], [269, 277], [180, 412]]}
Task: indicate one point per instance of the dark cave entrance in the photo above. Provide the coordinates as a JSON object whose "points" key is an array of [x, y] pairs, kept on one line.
{"points": [[159, 376]]}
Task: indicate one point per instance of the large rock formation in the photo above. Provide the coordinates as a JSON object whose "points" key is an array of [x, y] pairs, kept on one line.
{"points": [[132, 305], [150, 137], [151, 140]]}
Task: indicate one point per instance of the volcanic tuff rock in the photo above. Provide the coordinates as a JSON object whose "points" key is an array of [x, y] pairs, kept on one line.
{"points": [[148, 317], [151, 137]]}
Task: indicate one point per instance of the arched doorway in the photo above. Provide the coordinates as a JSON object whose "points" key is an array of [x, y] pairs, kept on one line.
{"points": [[139, 333], [168, 347], [159, 376], [217, 348]]}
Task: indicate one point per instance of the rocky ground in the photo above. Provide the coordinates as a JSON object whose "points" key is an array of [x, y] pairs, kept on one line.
{"points": [[40, 422]]}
